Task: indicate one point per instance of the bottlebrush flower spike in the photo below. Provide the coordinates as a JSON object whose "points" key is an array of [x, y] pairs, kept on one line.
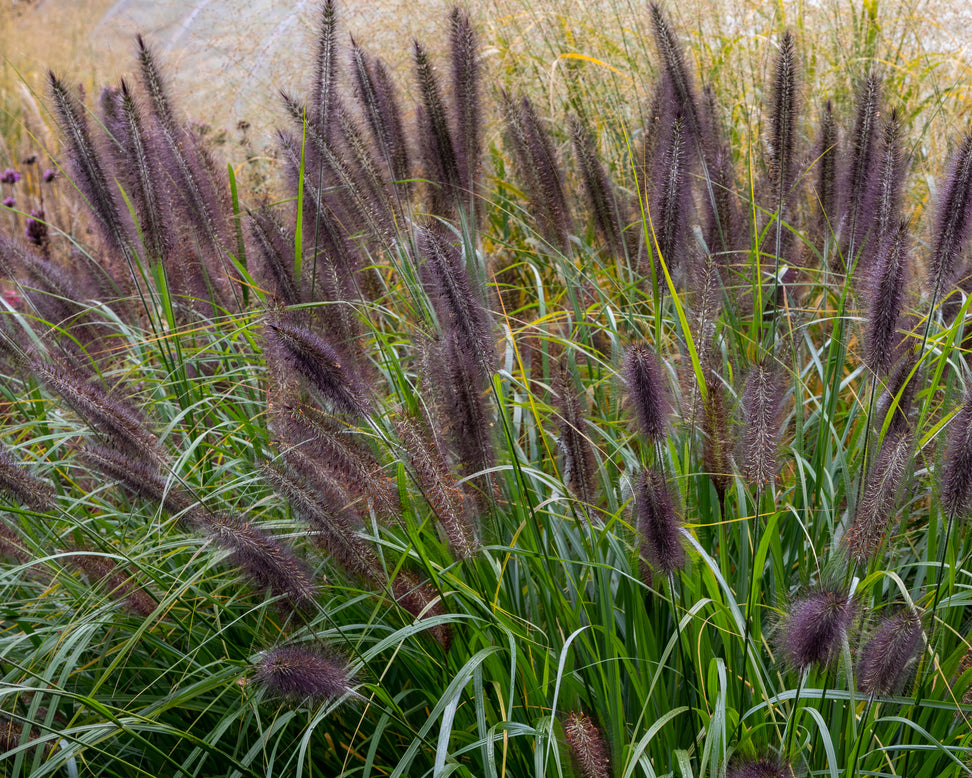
{"points": [[586, 745], [862, 175], [783, 118], [646, 388], [814, 627], [297, 673], [956, 477], [759, 768], [658, 523], [886, 657], [579, 466], [466, 100], [953, 217], [888, 277], [18, 482], [762, 402]]}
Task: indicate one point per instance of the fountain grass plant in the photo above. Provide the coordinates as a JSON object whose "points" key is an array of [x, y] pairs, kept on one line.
{"points": [[623, 434]]}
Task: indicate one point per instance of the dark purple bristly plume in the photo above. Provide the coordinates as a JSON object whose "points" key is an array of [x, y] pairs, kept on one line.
{"points": [[587, 746], [87, 169], [956, 477], [141, 478], [368, 98], [325, 74], [119, 423], [675, 69], [890, 182], [298, 673], [419, 599], [391, 115], [458, 307], [466, 106], [439, 149], [876, 511], [862, 175], [762, 403], [275, 252], [814, 627], [645, 381], [104, 570], [439, 486], [268, 563], [953, 218], [605, 205], [579, 464], [887, 655], [717, 444], [319, 363], [670, 200], [827, 194], [17, 482], [889, 274], [658, 523], [783, 102]]}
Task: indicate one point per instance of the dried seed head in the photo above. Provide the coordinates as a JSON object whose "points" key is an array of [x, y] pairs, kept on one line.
{"points": [[297, 673], [814, 627], [646, 388], [762, 403], [886, 657], [587, 746]]}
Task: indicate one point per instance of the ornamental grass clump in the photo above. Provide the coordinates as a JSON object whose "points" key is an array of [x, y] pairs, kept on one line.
{"points": [[593, 403]]}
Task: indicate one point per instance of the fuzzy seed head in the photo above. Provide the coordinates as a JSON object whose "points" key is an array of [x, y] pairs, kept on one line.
{"points": [[887, 655], [759, 768], [956, 478], [658, 523], [587, 746], [646, 388], [815, 626], [297, 673]]}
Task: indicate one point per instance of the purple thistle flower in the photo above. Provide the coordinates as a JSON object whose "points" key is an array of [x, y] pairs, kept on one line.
{"points": [[9, 176], [586, 745], [814, 627], [298, 673], [49, 175], [9, 202], [886, 656]]}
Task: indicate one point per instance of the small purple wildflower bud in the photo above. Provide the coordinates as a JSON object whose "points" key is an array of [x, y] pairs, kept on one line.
{"points": [[815, 626], [10, 202], [37, 228], [49, 175], [888, 653], [30, 160], [9, 176], [298, 673]]}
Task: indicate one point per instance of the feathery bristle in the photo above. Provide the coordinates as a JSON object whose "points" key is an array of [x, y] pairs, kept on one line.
{"points": [[325, 76], [825, 157], [716, 444], [675, 69], [143, 479], [887, 655], [18, 482], [862, 174], [658, 523], [319, 363], [814, 627], [276, 254], [299, 673], [270, 565], [367, 93], [605, 206], [876, 511], [331, 531], [670, 202], [890, 270], [87, 169], [586, 745], [645, 379], [783, 103], [956, 477], [579, 466], [762, 402], [465, 95], [953, 218], [391, 116], [550, 198], [120, 423], [104, 570], [367, 175], [459, 308], [438, 486], [890, 181], [436, 137]]}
